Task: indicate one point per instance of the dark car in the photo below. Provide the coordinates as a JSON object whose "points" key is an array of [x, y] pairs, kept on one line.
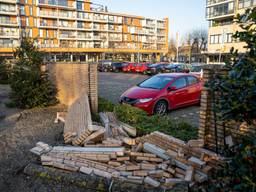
{"points": [[177, 68], [118, 66], [197, 69], [164, 92], [104, 65], [153, 69]]}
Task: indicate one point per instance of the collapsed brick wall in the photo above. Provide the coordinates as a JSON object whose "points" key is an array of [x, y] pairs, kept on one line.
{"points": [[208, 122], [73, 79]]}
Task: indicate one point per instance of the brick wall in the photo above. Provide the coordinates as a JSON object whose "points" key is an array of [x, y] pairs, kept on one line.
{"points": [[73, 79], [210, 126]]}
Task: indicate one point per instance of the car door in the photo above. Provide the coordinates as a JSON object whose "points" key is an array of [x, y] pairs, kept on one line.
{"points": [[194, 89], [178, 97]]}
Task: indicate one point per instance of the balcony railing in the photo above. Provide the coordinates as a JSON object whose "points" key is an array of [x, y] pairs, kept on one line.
{"points": [[213, 2], [48, 46], [55, 3], [67, 36], [48, 24], [67, 26], [84, 37], [219, 14], [6, 22], [48, 13], [9, 1]]}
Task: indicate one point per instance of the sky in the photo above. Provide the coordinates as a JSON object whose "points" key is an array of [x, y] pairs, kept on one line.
{"points": [[184, 15]]}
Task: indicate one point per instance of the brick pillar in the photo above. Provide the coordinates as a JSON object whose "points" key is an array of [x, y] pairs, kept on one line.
{"points": [[93, 87], [205, 109]]}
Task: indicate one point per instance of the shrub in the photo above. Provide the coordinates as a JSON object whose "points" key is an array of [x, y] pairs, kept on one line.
{"points": [[238, 88], [30, 84], [105, 105], [4, 72], [239, 173], [146, 124]]}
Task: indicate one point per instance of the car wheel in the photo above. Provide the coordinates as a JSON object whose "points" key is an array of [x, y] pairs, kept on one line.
{"points": [[161, 108]]}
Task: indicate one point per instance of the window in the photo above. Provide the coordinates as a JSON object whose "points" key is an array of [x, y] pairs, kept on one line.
{"points": [[41, 33], [180, 83], [246, 3], [192, 80], [79, 5], [216, 39], [79, 24], [27, 21], [229, 38], [31, 11], [22, 10], [35, 22]]}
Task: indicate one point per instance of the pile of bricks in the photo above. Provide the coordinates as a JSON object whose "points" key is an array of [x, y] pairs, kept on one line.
{"points": [[113, 151], [155, 160]]}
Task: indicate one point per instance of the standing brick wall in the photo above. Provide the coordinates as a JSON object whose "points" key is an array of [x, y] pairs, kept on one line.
{"points": [[209, 124], [74, 79]]}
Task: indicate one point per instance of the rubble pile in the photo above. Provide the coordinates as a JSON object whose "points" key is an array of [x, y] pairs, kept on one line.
{"points": [[113, 151]]}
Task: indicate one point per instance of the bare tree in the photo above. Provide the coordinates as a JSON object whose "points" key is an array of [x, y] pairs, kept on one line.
{"points": [[197, 40], [172, 49]]}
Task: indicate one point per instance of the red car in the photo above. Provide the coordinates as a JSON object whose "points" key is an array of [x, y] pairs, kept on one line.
{"points": [[129, 67], [164, 92], [141, 67]]}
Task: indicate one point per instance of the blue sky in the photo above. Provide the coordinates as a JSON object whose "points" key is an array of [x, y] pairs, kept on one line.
{"points": [[184, 15]]}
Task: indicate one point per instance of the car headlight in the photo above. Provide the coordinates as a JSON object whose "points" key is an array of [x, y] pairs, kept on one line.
{"points": [[145, 100]]}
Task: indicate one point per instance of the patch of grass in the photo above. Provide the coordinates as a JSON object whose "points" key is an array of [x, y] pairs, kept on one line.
{"points": [[146, 124], [105, 105]]}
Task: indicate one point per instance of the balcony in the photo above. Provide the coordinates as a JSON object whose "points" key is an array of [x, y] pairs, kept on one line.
{"points": [[69, 26], [67, 36], [9, 35], [9, 1], [223, 14], [115, 38], [48, 46], [8, 23], [216, 2], [10, 11], [55, 3], [84, 37], [49, 25], [48, 14]]}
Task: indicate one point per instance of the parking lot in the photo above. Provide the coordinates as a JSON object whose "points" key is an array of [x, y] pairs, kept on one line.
{"points": [[112, 85]]}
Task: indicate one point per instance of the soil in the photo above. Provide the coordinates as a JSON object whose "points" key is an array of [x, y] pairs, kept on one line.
{"points": [[20, 130]]}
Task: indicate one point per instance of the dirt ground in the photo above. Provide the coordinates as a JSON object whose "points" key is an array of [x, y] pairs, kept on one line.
{"points": [[19, 132]]}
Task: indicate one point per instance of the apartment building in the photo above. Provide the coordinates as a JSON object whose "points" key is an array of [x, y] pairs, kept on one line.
{"points": [[220, 14], [80, 30]]}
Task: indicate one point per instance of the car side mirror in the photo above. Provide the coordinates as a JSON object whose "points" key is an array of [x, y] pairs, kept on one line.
{"points": [[173, 88]]}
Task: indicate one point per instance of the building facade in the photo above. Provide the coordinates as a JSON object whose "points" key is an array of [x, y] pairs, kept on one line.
{"points": [[80, 30], [220, 14]]}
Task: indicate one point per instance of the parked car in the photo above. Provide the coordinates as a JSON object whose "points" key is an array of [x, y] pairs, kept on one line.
{"points": [[104, 65], [164, 92], [118, 66], [141, 67], [177, 68], [197, 69], [129, 67], [155, 68]]}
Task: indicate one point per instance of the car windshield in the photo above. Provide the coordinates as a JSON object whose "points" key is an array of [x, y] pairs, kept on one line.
{"points": [[196, 69], [125, 64], [156, 82], [153, 65], [118, 64], [171, 66]]}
